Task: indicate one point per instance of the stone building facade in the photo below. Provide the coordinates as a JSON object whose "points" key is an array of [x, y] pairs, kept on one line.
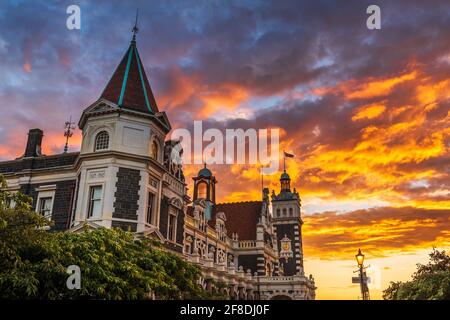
{"points": [[124, 176]]}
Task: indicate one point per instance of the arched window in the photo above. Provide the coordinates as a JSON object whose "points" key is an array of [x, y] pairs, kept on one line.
{"points": [[278, 213], [102, 141], [291, 212], [202, 190], [172, 225], [154, 150], [284, 212]]}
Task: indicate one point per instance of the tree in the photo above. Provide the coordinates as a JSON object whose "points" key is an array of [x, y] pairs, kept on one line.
{"points": [[21, 236], [113, 263], [429, 282]]}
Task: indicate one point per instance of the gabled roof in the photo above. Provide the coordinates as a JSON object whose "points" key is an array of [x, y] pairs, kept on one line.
{"points": [[242, 218], [84, 226], [129, 87]]}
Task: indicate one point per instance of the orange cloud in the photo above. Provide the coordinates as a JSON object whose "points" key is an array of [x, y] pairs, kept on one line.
{"points": [[375, 166], [227, 98], [375, 87], [214, 99], [366, 88], [369, 112], [379, 231]]}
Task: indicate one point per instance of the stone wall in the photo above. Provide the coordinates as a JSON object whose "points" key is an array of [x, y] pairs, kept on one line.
{"points": [[61, 202], [127, 194]]}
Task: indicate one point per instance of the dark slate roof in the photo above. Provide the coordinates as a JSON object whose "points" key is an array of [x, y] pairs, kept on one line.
{"points": [[242, 218], [129, 87], [38, 163]]}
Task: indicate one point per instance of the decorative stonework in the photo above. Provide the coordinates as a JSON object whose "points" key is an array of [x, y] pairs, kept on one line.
{"points": [[96, 174]]}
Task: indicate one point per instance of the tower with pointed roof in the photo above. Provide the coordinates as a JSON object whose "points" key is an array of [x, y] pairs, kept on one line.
{"points": [[287, 222], [122, 158]]}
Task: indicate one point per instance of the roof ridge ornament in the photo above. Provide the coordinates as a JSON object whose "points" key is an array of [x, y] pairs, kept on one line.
{"points": [[68, 132], [135, 29]]}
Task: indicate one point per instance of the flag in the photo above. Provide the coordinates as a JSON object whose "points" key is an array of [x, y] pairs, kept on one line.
{"points": [[288, 155]]}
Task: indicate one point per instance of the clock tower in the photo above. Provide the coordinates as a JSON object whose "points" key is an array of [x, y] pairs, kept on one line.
{"points": [[287, 222]]}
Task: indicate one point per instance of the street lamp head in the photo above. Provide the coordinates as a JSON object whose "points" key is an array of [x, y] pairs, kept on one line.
{"points": [[360, 258]]}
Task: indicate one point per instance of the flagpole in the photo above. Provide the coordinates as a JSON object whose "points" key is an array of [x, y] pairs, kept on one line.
{"points": [[262, 179], [284, 161]]}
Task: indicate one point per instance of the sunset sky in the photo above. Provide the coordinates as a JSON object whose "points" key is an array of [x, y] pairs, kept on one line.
{"points": [[366, 112]]}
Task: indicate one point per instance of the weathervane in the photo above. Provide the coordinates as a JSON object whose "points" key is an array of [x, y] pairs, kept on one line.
{"points": [[135, 28], [68, 132]]}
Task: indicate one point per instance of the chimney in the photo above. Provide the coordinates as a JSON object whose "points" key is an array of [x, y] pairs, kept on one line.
{"points": [[34, 143]]}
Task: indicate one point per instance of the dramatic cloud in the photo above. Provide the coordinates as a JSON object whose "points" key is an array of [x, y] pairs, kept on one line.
{"points": [[379, 232], [366, 112]]}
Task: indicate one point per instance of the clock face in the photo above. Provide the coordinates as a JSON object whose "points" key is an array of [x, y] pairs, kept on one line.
{"points": [[286, 246]]}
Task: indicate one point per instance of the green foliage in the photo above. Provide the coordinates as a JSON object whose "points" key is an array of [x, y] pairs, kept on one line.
{"points": [[429, 282], [114, 265], [215, 294]]}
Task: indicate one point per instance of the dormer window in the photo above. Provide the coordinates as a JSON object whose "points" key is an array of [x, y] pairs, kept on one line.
{"points": [[102, 141]]}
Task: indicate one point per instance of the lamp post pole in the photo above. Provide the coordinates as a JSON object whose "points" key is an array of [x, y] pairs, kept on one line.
{"points": [[361, 282], [362, 276]]}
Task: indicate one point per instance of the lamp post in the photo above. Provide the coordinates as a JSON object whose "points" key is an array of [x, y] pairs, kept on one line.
{"points": [[362, 275]]}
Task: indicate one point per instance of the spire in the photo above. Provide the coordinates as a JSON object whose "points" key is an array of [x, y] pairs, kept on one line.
{"points": [[129, 87], [135, 29]]}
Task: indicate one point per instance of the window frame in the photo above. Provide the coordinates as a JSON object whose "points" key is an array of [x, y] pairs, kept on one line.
{"points": [[40, 206], [91, 200], [150, 206], [172, 212], [45, 191], [96, 141]]}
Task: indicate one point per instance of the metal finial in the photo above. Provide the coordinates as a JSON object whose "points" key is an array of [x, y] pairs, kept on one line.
{"points": [[135, 28], [68, 132]]}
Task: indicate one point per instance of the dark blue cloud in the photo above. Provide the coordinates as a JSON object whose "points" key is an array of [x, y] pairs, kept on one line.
{"points": [[268, 48]]}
